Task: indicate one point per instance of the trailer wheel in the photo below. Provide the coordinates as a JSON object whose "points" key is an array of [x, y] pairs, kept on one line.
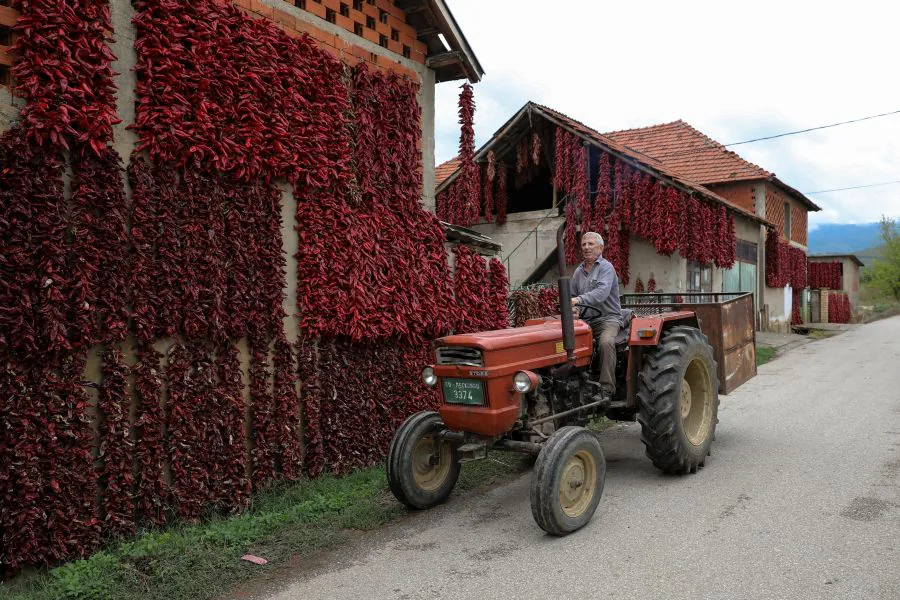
{"points": [[417, 476], [567, 481], [679, 401]]}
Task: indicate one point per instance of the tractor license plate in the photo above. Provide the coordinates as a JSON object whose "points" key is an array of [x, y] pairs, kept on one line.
{"points": [[464, 391]]}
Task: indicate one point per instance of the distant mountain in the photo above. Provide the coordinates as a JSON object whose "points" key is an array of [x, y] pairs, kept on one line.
{"points": [[835, 238], [867, 255]]}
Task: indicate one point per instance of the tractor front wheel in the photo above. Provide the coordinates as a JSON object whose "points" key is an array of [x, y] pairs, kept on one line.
{"points": [[567, 481], [421, 468], [679, 401]]}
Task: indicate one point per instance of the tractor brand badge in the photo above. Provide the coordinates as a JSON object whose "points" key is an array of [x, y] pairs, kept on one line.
{"points": [[559, 348], [478, 373]]}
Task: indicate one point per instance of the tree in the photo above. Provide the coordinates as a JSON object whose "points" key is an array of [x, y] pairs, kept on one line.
{"points": [[885, 270]]}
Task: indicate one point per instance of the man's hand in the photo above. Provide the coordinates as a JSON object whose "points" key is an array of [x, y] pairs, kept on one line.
{"points": [[574, 301]]}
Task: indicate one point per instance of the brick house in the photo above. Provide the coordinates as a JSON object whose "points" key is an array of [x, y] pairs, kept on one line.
{"points": [[673, 151], [703, 160], [534, 213]]}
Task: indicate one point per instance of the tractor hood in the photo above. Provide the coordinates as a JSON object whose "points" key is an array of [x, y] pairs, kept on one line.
{"points": [[536, 331]]}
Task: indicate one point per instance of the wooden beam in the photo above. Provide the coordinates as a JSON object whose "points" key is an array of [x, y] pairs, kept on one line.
{"points": [[444, 59], [426, 32]]}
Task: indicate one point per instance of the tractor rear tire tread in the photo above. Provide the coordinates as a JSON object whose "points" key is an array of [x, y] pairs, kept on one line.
{"points": [[659, 386]]}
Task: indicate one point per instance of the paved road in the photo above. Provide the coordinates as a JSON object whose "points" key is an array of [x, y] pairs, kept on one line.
{"points": [[800, 499]]}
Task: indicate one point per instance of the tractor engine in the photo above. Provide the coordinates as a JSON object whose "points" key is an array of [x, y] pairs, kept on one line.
{"points": [[491, 380]]}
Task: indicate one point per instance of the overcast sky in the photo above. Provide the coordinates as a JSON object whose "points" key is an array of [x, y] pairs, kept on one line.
{"points": [[733, 70]]}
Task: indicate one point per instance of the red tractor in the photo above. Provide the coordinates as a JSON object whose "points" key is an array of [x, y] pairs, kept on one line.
{"points": [[533, 389]]}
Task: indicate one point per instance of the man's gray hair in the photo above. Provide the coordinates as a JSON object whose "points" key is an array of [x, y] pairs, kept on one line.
{"points": [[595, 235]]}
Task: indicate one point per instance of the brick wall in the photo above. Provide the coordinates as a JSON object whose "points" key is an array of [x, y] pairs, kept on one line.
{"points": [[775, 201], [740, 194], [799, 225], [775, 209], [377, 21]]}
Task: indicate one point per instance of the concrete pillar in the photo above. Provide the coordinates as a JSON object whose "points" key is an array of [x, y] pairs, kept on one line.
{"points": [[426, 102], [823, 304]]}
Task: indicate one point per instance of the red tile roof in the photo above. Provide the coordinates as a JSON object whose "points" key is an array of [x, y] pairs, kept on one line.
{"points": [[445, 170], [689, 152]]}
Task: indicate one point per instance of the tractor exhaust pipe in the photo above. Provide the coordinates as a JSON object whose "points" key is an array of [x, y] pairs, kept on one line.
{"points": [[565, 297]]}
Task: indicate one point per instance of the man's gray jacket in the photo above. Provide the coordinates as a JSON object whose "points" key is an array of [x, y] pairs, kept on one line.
{"points": [[598, 288]]}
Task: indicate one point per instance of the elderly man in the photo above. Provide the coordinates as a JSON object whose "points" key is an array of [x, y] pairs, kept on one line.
{"points": [[595, 289]]}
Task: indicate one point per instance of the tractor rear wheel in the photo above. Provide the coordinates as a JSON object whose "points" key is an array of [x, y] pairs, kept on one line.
{"points": [[419, 477], [567, 481], [679, 401]]}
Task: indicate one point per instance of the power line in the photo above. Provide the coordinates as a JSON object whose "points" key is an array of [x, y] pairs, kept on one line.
{"points": [[780, 135], [855, 187], [715, 145]]}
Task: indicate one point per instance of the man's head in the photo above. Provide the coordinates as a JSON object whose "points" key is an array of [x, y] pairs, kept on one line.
{"points": [[591, 246]]}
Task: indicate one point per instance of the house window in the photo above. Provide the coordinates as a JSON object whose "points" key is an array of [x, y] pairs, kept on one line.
{"points": [[345, 10], [787, 221], [358, 28], [407, 51], [382, 16], [300, 4], [747, 252], [699, 277], [330, 16], [370, 22], [382, 40], [395, 35], [357, 5], [5, 35]]}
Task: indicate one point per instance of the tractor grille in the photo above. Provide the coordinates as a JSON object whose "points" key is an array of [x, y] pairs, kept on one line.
{"points": [[459, 355]]}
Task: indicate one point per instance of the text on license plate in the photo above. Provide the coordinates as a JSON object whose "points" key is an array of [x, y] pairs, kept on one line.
{"points": [[463, 391]]}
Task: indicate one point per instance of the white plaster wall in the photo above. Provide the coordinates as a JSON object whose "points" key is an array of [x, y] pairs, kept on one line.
{"points": [[519, 229]]}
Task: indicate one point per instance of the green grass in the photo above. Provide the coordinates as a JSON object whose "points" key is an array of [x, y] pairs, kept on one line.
{"points": [[764, 354], [203, 561]]}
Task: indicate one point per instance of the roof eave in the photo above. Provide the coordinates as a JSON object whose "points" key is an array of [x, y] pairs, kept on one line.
{"points": [[812, 206], [852, 257], [460, 61]]}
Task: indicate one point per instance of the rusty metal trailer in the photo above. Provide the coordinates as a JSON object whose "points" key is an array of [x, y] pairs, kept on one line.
{"points": [[725, 318]]}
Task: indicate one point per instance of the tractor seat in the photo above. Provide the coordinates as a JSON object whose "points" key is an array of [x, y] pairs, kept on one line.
{"points": [[625, 331]]}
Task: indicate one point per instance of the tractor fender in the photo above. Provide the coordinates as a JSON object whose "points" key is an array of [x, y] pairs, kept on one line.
{"points": [[647, 330]]}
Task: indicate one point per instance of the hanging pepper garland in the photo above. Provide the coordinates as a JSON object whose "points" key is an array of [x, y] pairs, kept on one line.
{"points": [[785, 264], [534, 304], [231, 488], [502, 198], [839, 310], [796, 313], [499, 294], [200, 202], [826, 275], [57, 296], [490, 175], [116, 453]]}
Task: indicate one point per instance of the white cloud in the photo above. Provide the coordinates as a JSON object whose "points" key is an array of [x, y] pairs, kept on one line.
{"points": [[734, 71]]}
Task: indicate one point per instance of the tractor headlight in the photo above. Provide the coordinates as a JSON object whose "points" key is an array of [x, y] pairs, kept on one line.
{"points": [[429, 377], [522, 382]]}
